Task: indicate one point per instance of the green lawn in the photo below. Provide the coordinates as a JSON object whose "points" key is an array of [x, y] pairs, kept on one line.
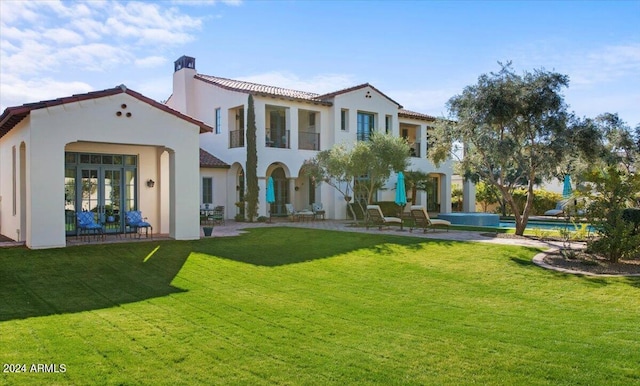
{"points": [[299, 306]]}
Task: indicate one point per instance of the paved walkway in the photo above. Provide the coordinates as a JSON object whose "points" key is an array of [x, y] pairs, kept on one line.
{"points": [[232, 228]]}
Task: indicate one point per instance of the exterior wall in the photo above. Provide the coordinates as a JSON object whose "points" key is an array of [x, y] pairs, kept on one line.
{"points": [[220, 179], [200, 100], [12, 225], [93, 125]]}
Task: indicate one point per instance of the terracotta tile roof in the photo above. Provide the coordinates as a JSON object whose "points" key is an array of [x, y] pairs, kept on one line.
{"points": [[412, 114], [260, 89], [325, 99], [208, 160], [11, 116], [346, 90]]}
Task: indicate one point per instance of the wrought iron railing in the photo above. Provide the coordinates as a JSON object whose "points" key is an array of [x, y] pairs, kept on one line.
{"points": [[308, 140], [414, 150], [236, 138], [277, 138]]}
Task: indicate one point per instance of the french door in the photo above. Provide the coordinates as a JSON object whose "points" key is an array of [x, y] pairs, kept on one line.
{"points": [[101, 191], [106, 190]]}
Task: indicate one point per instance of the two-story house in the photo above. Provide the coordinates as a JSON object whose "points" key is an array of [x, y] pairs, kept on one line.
{"points": [[292, 126]]}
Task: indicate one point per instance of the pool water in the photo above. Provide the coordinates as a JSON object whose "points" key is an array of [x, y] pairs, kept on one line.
{"points": [[546, 225]]}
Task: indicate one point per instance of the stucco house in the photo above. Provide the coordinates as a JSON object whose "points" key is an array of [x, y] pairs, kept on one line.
{"points": [[106, 152], [292, 127]]}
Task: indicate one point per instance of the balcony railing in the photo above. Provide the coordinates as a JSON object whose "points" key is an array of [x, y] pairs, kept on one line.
{"points": [[277, 138], [308, 140], [414, 150], [236, 138]]}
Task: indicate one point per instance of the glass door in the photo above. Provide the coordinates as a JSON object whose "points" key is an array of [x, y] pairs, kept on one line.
{"points": [[111, 189], [101, 193], [103, 184]]}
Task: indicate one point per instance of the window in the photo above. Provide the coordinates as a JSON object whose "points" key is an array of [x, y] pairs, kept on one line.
{"points": [[207, 190], [218, 121], [365, 126], [387, 124], [344, 120], [312, 119]]}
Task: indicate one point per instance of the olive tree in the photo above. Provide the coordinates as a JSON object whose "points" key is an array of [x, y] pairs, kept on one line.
{"points": [[514, 129], [364, 167]]}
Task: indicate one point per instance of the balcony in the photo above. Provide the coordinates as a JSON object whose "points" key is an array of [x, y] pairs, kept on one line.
{"points": [[277, 138], [308, 140], [236, 138], [414, 150]]}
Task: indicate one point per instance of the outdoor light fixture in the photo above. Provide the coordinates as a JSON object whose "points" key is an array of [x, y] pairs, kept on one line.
{"points": [[151, 183]]}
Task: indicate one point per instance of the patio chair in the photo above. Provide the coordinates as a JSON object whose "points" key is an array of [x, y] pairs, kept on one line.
{"points": [[376, 218], [217, 216], [88, 226], [559, 210], [298, 215], [135, 222], [422, 220], [317, 209]]}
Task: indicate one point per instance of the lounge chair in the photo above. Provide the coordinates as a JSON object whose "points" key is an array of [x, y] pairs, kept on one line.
{"points": [[376, 218], [135, 222], [422, 220], [318, 210], [559, 210], [298, 215]]}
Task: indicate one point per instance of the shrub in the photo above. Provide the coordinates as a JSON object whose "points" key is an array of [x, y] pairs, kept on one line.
{"points": [[262, 219]]}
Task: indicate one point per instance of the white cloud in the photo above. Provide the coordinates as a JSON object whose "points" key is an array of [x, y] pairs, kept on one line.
{"points": [[150, 61], [207, 2], [42, 40], [63, 36], [16, 91]]}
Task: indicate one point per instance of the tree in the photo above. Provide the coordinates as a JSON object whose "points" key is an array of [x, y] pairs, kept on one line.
{"points": [[416, 180], [252, 162], [374, 160], [514, 130], [370, 162], [487, 195], [608, 163]]}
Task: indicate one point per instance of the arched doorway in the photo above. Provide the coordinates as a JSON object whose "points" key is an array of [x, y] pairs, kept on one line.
{"points": [[281, 190]]}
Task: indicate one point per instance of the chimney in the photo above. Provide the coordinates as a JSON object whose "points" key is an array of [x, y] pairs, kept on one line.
{"points": [[183, 84], [184, 62]]}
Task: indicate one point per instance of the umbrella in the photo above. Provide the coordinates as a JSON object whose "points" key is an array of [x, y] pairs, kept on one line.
{"points": [[401, 195], [566, 189], [271, 195]]}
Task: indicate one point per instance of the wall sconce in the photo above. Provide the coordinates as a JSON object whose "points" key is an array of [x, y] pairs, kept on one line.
{"points": [[297, 188], [238, 187], [150, 183]]}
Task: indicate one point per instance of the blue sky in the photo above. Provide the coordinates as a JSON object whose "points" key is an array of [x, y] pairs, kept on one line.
{"points": [[419, 53]]}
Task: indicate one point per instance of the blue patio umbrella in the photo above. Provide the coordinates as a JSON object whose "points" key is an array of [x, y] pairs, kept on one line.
{"points": [[271, 195], [401, 195], [566, 189]]}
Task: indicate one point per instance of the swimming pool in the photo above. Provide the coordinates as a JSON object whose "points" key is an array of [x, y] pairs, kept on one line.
{"points": [[546, 225]]}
